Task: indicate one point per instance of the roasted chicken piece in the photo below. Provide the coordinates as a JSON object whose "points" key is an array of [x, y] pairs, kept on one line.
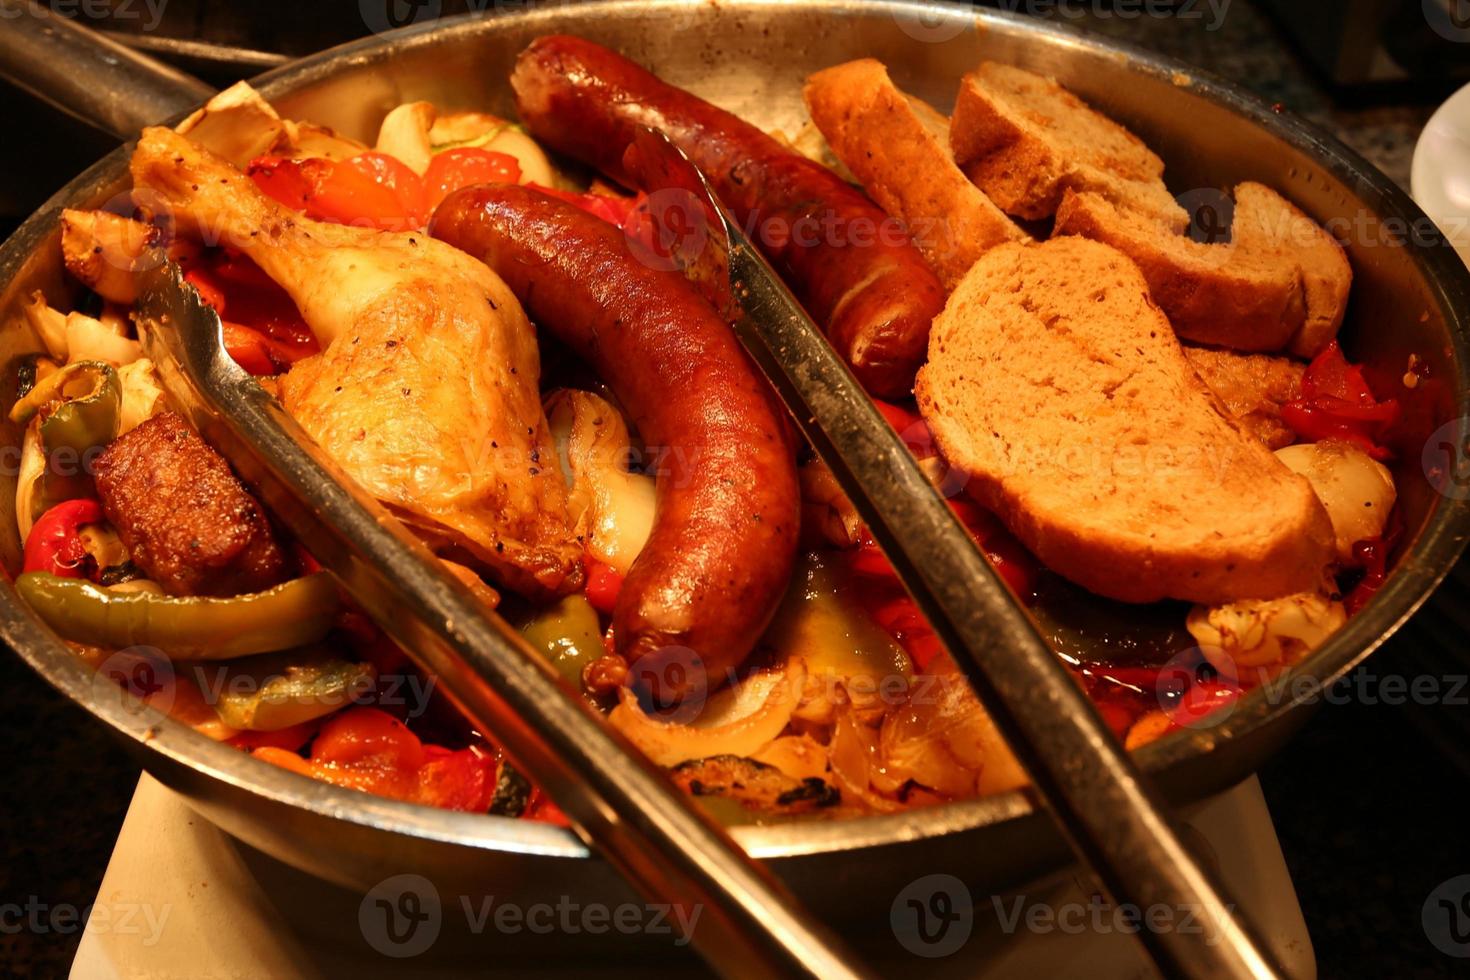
{"points": [[425, 391]]}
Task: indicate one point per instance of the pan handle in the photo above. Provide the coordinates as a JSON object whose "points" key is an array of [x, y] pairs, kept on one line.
{"points": [[88, 75]]}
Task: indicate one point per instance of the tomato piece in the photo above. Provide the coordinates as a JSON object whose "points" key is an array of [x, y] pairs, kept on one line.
{"points": [[369, 737], [290, 182], [463, 780], [464, 166], [371, 190], [407, 208], [604, 584], [54, 544]]}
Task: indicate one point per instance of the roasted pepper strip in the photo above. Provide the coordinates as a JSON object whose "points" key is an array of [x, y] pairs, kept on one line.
{"points": [[271, 693], [79, 407], [191, 628]]}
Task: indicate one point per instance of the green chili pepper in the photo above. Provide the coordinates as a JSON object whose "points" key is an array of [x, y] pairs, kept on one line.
{"points": [[267, 694], [190, 627], [79, 407], [570, 635]]}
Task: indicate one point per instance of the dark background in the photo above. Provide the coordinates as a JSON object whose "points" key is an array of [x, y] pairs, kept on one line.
{"points": [[1369, 801]]}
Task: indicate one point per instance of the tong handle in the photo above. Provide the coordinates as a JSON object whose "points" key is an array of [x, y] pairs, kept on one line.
{"points": [[89, 76]]}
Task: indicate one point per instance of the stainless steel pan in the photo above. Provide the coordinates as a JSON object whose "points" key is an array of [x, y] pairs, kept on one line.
{"points": [[1412, 296]]}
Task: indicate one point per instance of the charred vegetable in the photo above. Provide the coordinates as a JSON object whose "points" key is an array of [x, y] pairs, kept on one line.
{"points": [[754, 785], [267, 694]]}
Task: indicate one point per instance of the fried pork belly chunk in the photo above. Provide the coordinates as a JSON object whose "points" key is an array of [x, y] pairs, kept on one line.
{"points": [[188, 521]]}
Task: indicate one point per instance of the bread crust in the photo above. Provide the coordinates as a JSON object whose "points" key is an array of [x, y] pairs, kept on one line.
{"points": [[1226, 295], [1025, 141], [1057, 385], [1267, 224], [898, 149]]}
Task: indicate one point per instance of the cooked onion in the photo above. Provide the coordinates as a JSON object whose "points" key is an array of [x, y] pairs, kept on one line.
{"points": [[797, 756], [611, 507], [1356, 490], [740, 720]]}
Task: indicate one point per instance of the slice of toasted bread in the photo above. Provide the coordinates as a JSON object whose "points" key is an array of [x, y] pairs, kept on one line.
{"points": [[1267, 224], [1056, 383], [1252, 387], [1024, 140], [897, 147], [1224, 295]]}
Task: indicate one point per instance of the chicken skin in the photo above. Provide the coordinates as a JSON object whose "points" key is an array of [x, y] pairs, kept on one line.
{"points": [[426, 389]]}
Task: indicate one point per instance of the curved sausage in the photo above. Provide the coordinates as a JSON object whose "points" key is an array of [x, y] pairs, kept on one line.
{"points": [[724, 537], [856, 271]]}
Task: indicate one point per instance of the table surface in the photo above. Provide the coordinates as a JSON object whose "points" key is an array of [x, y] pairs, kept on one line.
{"points": [[194, 903], [1368, 801]]}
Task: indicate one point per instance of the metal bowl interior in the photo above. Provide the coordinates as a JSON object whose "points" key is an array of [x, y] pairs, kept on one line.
{"points": [[1411, 296]]}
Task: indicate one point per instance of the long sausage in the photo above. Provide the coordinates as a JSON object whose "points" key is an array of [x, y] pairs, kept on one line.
{"points": [[855, 270], [724, 537]]}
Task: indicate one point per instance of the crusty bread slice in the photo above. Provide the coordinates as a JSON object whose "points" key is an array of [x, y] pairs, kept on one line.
{"points": [[1268, 225], [1252, 387], [898, 148], [1224, 294], [1055, 382], [1024, 140]]}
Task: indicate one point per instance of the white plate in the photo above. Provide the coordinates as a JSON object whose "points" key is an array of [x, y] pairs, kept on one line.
{"points": [[1440, 176]]}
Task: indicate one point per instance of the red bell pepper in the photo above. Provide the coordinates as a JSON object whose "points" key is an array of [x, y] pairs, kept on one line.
{"points": [[368, 737], [465, 166], [55, 544], [1337, 403]]}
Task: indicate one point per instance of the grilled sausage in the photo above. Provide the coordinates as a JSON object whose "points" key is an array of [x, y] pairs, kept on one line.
{"points": [[854, 269], [724, 537], [188, 521]]}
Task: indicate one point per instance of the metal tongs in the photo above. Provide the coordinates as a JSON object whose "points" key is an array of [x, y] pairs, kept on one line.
{"points": [[1105, 807], [620, 803]]}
